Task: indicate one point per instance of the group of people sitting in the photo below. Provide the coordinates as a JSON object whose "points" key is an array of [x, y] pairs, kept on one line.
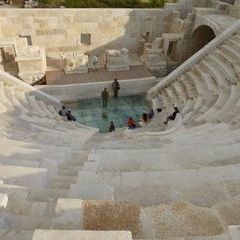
{"points": [[66, 114], [146, 116], [130, 123]]}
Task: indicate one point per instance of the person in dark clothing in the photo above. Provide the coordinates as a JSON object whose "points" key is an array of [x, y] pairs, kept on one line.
{"points": [[111, 127], [70, 117], [63, 112], [173, 116], [145, 117], [151, 114], [105, 96], [116, 87]]}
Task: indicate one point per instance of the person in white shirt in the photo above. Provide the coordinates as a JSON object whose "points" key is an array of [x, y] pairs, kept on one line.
{"points": [[95, 62]]}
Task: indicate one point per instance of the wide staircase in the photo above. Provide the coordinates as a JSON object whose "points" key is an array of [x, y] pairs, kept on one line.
{"points": [[62, 180]]}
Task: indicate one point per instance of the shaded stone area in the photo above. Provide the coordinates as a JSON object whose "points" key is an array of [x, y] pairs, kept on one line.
{"points": [[107, 215], [59, 78], [201, 37]]}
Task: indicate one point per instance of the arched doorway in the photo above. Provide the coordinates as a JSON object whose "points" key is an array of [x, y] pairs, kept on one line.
{"points": [[201, 37]]}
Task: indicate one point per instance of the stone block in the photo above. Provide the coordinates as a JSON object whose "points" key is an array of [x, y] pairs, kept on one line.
{"points": [[76, 235], [94, 192], [234, 232], [69, 214], [3, 200], [108, 215]]}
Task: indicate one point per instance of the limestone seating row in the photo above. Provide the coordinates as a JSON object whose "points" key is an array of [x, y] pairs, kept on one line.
{"points": [[204, 183], [209, 131], [106, 186], [204, 186], [156, 160], [76, 214], [222, 79], [23, 222], [35, 168], [208, 92], [31, 103], [122, 163]]}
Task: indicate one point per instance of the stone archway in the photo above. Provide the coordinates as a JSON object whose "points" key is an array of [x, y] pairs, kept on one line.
{"points": [[201, 37]]}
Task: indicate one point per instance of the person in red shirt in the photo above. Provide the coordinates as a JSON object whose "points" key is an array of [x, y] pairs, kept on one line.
{"points": [[131, 123]]}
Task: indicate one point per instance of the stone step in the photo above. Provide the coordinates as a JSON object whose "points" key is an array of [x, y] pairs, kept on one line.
{"points": [[193, 176], [19, 162], [94, 192], [14, 192], [76, 235], [6, 234], [156, 160], [69, 172], [21, 207], [23, 176], [61, 184], [234, 232], [76, 214], [47, 194], [26, 222]]}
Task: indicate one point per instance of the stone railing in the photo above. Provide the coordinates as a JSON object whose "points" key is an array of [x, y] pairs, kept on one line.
{"points": [[194, 59]]}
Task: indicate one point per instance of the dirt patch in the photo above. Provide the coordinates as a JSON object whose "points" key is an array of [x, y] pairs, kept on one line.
{"points": [[183, 219], [107, 215]]}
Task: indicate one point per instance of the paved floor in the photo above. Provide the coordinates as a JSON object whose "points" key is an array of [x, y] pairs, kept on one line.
{"points": [[92, 113], [60, 78]]}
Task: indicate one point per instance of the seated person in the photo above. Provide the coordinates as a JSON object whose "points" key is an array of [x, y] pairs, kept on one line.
{"points": [[70, 117], [111, 127], [151, 114], [63, 112], [173, 116], [131, 123], [145, 117]]}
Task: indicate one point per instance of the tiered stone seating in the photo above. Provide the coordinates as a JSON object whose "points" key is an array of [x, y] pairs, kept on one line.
{"points": [[185, 184], [40, 157], [62, 180]]}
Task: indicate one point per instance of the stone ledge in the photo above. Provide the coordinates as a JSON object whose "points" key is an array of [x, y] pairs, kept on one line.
{"points": [[76, 235]]}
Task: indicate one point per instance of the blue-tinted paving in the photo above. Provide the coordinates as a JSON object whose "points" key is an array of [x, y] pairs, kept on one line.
{"points": [[92, 113]]}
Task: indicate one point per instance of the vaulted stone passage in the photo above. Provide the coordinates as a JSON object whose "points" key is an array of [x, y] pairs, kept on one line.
{"points": [[201, 37]]}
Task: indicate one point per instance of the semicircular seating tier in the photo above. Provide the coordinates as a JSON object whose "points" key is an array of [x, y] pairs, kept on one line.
{"points": [[62, 180]]}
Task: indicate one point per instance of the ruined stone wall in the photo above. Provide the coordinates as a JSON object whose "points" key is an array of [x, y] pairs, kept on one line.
{"points": [[59, 30]]}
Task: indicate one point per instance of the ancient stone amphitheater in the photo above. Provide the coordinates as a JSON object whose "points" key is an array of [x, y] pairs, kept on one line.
{"points": [[62, 180]]}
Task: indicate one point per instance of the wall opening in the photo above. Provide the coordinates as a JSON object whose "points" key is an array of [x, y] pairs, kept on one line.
{"points": [[201, 37], [85, 38], [28, 37]]}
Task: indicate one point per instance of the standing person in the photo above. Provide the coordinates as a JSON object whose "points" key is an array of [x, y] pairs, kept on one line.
{"points": [[116, 87], [95, 62], [111, 127], [105, 96]]}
